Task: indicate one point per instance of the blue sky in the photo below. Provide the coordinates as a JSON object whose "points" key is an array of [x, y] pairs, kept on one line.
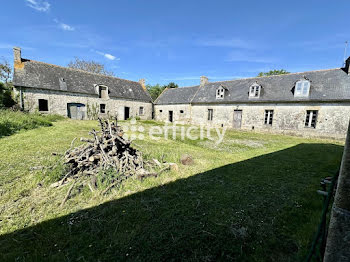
{"points": [[179, 41]]}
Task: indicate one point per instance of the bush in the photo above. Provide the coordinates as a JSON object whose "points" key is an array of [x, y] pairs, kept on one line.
{"points": [[11, 121], [6, 99]]}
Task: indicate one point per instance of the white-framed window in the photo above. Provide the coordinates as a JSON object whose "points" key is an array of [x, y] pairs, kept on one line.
{"points": [[102, 108], [311, 118], [268, 117], [210, 114], [220, 93], [103, 92], [302, 88], [141, 111], [254, 90]]}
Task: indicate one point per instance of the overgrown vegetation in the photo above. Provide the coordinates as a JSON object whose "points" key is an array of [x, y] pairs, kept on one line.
{"points": [[273, 73], [6, 87], [89, 66], [13, 121], [157, 89], [251, 198]]}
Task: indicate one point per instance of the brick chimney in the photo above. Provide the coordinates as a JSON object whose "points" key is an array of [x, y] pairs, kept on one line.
{"points": [[17, 57], [347, 66], [143, 83], [204, 80]]}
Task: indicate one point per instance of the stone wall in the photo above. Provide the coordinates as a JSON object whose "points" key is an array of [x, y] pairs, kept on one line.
{"points": [[181, 113], [58, 100], [288, 118]]}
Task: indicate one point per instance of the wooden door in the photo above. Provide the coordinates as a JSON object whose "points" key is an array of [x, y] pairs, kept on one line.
{"points": [[237, 119]]}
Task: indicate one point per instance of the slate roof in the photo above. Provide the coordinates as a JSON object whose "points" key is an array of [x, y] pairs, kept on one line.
{"points": [[325, 85], [46, 76], [181, 95]]}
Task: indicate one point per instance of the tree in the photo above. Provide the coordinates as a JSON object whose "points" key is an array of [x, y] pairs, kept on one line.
{"points": [[273, 73], [89, 66], [171, 85], [5, 71], [155, 90], [6, 87]]}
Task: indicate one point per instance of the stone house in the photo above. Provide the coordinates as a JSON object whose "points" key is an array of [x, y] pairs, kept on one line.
{"points": [[314, 103], [75, 93]]}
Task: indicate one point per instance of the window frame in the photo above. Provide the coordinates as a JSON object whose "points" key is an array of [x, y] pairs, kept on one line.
{"points": [[104, 108], [268, 117], [210, 114], [141, 110], [300, 88], [254, 90], [105, 91], [311, 119], [47, 105], [220, 93]]}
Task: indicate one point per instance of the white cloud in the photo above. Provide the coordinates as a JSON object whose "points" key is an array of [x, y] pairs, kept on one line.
{"points": [[64, 26], [108, 56], [39, 5]]}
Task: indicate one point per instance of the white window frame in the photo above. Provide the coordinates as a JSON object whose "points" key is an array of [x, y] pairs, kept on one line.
{"points": [[268, 116], [254, 91], [309, 123], [220, 93], [210, 114], [302, 88]]}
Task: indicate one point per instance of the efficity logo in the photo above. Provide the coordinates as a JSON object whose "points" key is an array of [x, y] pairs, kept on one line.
{"points": [[135, 130]]}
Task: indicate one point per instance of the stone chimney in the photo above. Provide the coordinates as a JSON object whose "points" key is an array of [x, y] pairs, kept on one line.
{"points": [[203, 80], [17, 57], [143, 83], [347, 66]]}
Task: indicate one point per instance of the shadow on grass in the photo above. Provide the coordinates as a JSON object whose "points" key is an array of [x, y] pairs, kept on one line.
{"points": [[261, 209]]}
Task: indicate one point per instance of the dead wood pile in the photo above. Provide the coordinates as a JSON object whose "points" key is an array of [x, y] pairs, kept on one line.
{"points": [[107, 150]]}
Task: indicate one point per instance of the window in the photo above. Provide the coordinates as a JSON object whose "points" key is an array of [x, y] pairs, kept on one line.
{"points": [[268, 117], [160, 111], [220, 93], [102, 92], [102, 108], [181, 111], [210, 114], [311, 118], [255, 90], [141, 111], [302, 88], [43, 105]]}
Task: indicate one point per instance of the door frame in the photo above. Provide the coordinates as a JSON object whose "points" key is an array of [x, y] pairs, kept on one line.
{"points": [[234, 118], [171, 116]]}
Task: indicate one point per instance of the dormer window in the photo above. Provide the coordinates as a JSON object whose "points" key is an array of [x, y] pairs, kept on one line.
{"points": [[220, 93], [302, 88], [103, 92], [254, 90]]}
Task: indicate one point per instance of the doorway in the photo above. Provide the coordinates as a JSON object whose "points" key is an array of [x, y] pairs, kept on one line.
{"points": [[76, 111], [171, 115], [237, 119], [126, 113]]}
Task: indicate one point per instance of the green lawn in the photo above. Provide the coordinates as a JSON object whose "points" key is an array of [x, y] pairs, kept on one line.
{"points": [[252, 198]]}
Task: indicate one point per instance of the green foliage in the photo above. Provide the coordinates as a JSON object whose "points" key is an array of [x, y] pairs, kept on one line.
{"points": [[157, 89], [89, 66], [6, 98], [11, 121], [92, 111], [273, 73]]}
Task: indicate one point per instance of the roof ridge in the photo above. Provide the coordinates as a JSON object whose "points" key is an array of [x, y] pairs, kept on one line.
{"points": [[258, 77], [80, 70]]}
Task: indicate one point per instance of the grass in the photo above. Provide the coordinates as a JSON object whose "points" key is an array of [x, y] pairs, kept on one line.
{"points": [[11, 121], [251, 198]]}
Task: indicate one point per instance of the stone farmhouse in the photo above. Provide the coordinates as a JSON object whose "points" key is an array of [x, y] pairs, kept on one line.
{"points": [[77, 94], [315, 103]]}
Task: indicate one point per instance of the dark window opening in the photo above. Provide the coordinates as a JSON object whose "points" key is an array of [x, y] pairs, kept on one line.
{"points": [[311, 118], [141, 110], [181, 111], [268, 117], [102, 108], [43, 105], [160, 111], [102, 92], [210, 114]]}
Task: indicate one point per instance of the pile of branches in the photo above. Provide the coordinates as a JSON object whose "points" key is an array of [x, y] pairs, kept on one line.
{"points": [[106, 150]]}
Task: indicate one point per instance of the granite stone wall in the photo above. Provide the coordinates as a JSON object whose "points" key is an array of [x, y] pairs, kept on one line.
{"points": [[58, 100]]}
